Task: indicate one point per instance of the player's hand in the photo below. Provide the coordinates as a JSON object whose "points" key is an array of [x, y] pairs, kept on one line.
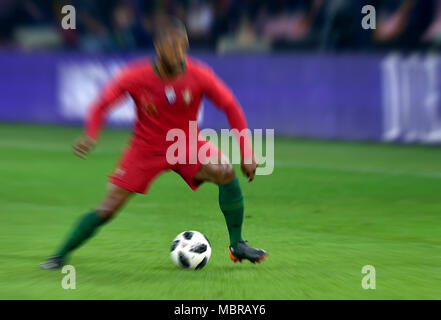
{"points": [[83, 145], [249, 169]]}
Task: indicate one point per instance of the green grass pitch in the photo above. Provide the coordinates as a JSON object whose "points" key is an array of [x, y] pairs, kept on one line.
{"points": [[328, 209]]}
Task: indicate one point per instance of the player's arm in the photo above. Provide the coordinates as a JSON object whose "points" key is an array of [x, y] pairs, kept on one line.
{"points": [[224, 99], [108, 98]]}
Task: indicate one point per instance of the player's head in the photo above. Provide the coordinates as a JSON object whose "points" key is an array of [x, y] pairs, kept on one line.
{"points": [[171, 42]]}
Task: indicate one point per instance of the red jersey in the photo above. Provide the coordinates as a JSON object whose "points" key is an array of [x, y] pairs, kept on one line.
{"points": [[164, 104]]}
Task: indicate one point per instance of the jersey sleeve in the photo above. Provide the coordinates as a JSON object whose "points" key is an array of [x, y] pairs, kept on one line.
{"points": [[108, 98], [218, 92]]}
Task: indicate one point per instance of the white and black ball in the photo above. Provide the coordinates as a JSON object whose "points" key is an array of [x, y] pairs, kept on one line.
{"points": [[190, 250]]}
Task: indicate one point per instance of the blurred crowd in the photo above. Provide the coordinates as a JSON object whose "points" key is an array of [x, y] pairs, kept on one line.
{"points": [[224, 25]]}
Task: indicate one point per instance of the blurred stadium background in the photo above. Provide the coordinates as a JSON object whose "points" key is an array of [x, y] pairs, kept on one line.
{"points": [[304, 68]]}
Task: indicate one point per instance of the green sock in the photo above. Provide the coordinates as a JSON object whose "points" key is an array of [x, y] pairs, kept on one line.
{"points": [[85, 228], [231, 204]]}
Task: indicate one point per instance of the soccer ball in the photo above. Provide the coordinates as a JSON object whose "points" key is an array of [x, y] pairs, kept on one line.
{"points": [[190, 250]]}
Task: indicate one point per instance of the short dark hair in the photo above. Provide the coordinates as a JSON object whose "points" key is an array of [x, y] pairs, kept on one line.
{"points": [[167, 25]]}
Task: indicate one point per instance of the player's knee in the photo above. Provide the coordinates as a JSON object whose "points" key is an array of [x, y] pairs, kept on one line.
{"points": [[106, 213], [113, 201], [226, 174], [108, 208]]}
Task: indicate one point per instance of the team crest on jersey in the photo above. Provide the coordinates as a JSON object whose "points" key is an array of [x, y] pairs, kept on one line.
{"points": [[148, 105], [170, 94], [187, 96]]}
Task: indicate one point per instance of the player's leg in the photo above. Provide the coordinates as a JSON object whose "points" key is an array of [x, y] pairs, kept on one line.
{"points": [[219, 171], [230, 195], [89, 223]]}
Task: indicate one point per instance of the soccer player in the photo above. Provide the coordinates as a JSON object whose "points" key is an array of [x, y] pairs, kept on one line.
{"points": [[167, 93]]}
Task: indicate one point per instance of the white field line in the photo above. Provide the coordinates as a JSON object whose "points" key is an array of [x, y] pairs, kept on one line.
{"points": [[57, 206], [33, 205], [44, 146], [354, 169]]}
